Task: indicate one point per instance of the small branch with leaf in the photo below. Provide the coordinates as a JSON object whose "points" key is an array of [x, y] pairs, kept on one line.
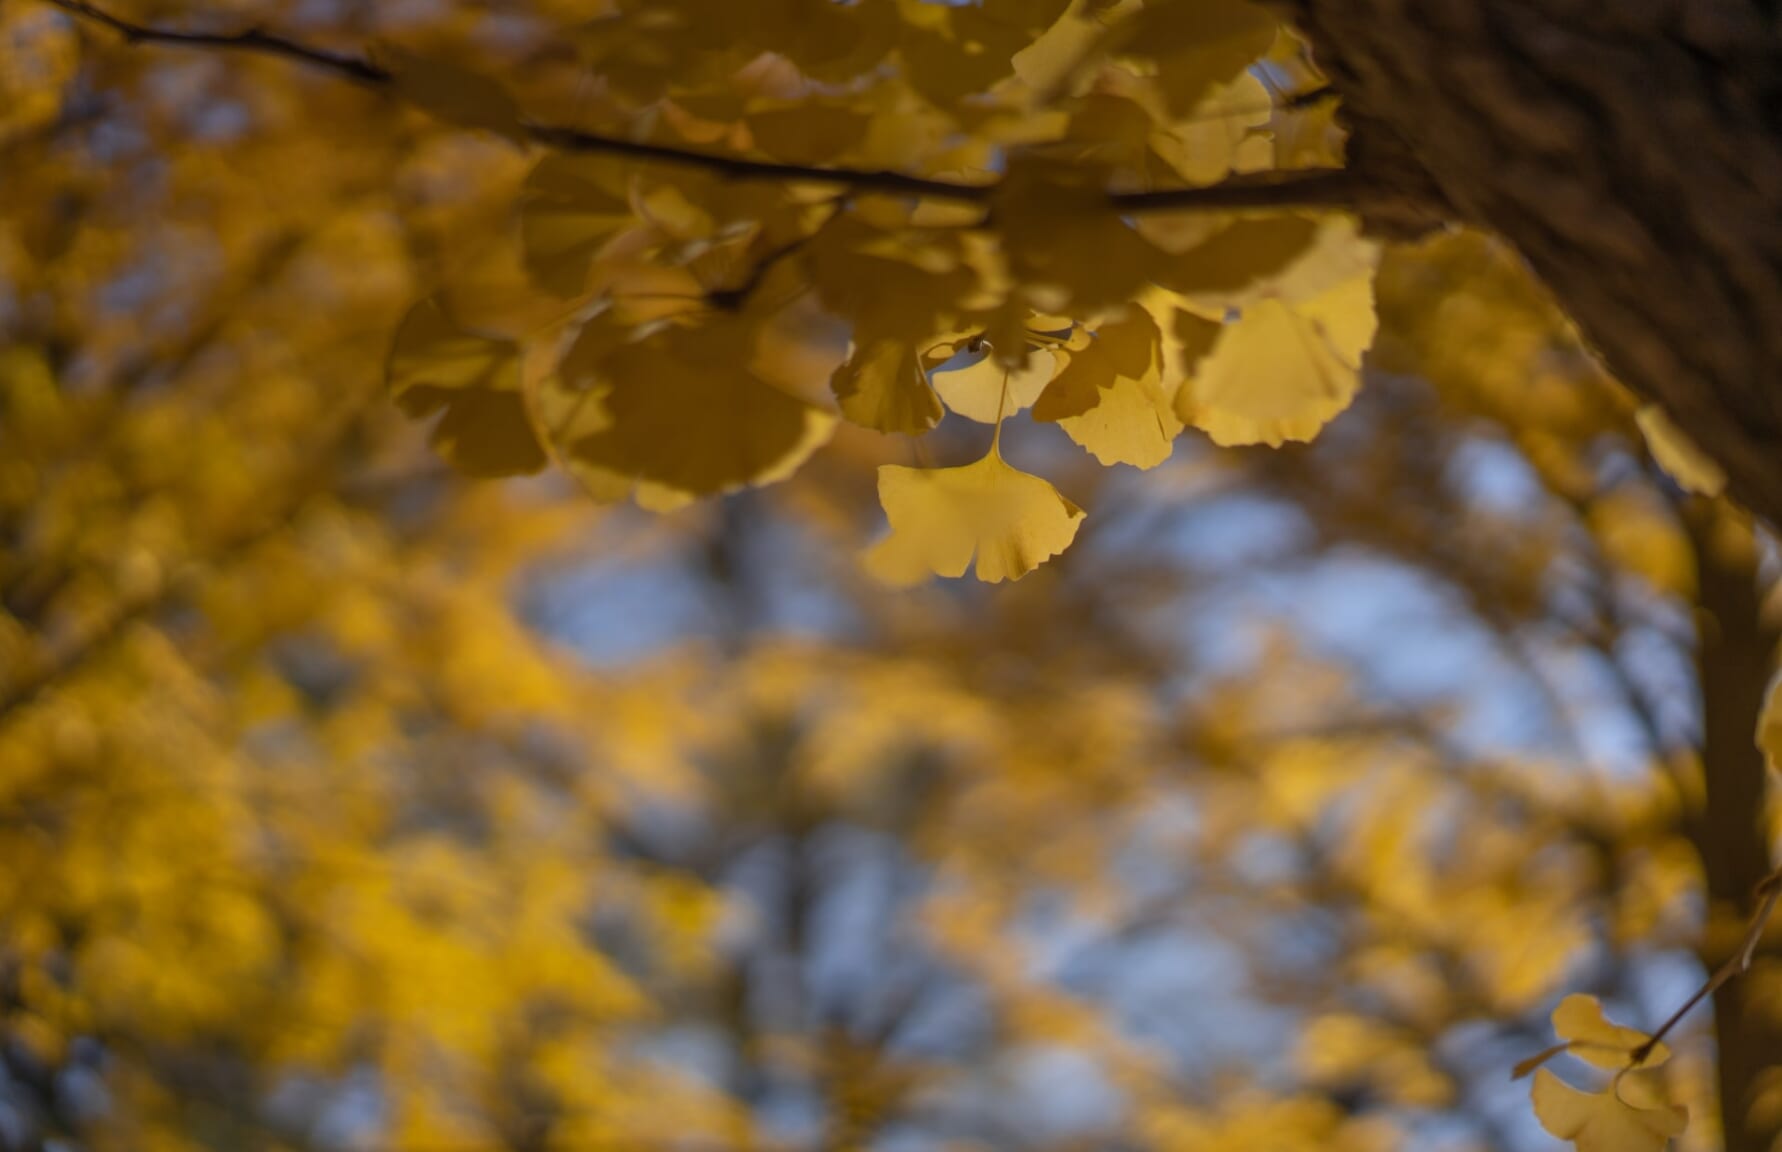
{"points": [[1629, 1115]]}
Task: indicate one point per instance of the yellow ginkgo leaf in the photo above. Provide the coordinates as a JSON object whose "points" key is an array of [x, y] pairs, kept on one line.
{"points": [[1220, 135], [1678, 455], [1062, 245], [452, 93], [1196, 46], [1222, 267], [941, 517], [473, 382], [569, 208], [1133, 423], [973, 382], [1110, 397], [882, 386], [1605, 1121], [681, 409], [899, 290], [1589, 1036], [1281, 372], [949, 50], [806, 133]]}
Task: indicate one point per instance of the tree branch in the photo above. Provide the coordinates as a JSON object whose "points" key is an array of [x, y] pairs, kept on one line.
{"points": [[743, 168], [1317, 187], [1292, 188], [253, 40]]}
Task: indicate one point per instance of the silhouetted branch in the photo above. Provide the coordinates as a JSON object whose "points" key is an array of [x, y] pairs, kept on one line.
{"points": [[252, 40], [1292, 188], [1307, 188]]}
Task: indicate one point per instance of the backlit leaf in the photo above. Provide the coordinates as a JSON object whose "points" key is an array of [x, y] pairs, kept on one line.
{"points": [[806, 133], [976, 385], [683, 410], [1063, 246], [569, 208], [1604, 1121], [942, 517], [452, 93], [883, 386], [1110, 397], [473, 382], [1280, 372], [1196, 44], [1589, 1036]]}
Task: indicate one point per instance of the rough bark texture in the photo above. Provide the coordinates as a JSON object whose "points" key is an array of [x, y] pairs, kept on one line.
{"points": [[1630, 149], [1733, 652]]}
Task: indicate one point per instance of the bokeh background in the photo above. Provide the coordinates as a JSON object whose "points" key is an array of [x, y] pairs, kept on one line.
{"points": [[348, 805]]}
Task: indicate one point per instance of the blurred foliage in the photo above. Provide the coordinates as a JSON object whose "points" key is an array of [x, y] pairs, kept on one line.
{"points": [[346, 803]]}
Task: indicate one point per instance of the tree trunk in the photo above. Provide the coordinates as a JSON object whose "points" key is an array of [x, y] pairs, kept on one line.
{"points": [[1733, 652], [1630, 149]]}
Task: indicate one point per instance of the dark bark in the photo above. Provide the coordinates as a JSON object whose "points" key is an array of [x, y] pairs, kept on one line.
{"points": [[1631, 150], [1733, 653]]}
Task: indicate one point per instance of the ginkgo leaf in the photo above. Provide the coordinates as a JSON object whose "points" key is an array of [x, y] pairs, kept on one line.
{"points": [[882, 386], [1115, 130], [976, 385], [1110, 397], [1220, 134], [806, 133], [949, 51], [1589, 1036], [1126, 346], [1281, 256], [683, 410], [1694, 470], [1237, 256], [1133, 423], [1280, 372], [1058, 52], [900, 291], [473, 381], [1062, 245], [1604, 1121], [941, 517], [1196, 46], [833, 42], [570, 207], [452, 93], [1186, 336]]}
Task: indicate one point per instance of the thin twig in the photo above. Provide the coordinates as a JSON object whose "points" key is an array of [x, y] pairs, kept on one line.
{"points": [[733, 298], [1770, 889], [253, 40]]}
